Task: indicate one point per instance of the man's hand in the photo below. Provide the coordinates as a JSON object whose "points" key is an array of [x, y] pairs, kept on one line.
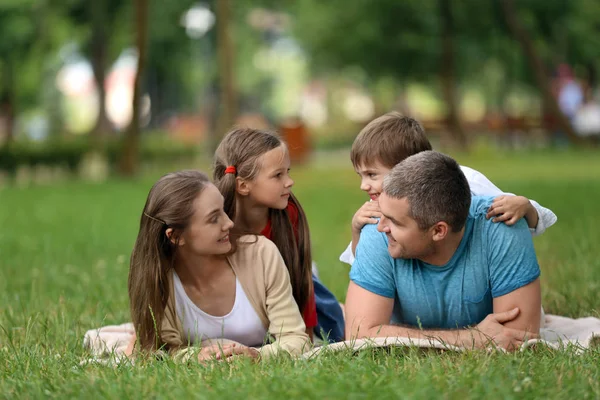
{"points": [[491, 331], [365, 215], [510, 209]]}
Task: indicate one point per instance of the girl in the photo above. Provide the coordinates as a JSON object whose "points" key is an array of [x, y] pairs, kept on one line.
{"points": [[251, 170], [194, 280]]}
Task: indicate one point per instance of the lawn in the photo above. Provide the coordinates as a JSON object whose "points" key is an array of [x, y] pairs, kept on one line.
{"points": [[64, 252]]}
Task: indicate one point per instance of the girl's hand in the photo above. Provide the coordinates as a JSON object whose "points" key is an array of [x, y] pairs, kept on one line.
{"points": [[510, 209]]}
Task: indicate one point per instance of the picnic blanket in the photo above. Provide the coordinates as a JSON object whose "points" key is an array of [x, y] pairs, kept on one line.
{"points": [[557, 332], [107, 344]]}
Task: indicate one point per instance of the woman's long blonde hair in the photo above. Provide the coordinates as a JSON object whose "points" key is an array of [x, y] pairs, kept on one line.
{"points": [[169, 205], [242, 148]]}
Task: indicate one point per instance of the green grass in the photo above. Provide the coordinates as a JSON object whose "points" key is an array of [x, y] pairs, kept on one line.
{"points": [[63, 269]]}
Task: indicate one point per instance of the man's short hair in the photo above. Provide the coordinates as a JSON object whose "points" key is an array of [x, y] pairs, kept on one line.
{"points": [[435, 187], [389, 139]]}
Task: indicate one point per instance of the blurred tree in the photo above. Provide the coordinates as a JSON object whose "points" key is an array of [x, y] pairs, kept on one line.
{"points": [[33, 32], [411, 40], [175, 72], [448, 74], [103, 33], [537, 67], [551, 33], [417, 40], [99, 10], [21, 22], [228, 93], [130, 155], [394, 38]]}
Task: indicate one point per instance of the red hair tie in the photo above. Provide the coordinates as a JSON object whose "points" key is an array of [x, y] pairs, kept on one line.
{"points": [[230, 170]]}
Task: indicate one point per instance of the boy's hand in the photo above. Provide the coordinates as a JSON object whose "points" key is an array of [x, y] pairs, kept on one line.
{"points": [[510, 209], [366, 215]]}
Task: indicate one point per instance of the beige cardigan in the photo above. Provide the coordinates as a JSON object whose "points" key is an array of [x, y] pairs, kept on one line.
{"points": [[261, 271]]}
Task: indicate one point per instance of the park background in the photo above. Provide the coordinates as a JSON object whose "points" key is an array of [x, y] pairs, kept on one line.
{"points": [[99, 99]]}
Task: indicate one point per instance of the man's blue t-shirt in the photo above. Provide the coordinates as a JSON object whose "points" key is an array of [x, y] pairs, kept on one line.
{"points": [[493, 259]]}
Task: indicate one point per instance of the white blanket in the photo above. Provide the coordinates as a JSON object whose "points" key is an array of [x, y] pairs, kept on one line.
{"points": [[557, 332], [108, 344]]}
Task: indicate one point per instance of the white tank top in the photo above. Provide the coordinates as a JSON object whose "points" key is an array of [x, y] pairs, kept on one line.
{"points": [[241, 324]]}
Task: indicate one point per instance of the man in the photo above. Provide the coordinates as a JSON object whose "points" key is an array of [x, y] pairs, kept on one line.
{"points": [[436, 267]]}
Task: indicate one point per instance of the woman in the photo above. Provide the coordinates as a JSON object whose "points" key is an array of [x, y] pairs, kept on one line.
{"points": [[194, 281]]}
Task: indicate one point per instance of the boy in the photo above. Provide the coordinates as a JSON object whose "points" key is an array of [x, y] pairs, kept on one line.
{"points": [[391, 138]]}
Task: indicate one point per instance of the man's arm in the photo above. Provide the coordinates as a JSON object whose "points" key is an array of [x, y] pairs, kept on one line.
{"points": [[369, 314], [366, 310], [528, 299], [514, 273]]}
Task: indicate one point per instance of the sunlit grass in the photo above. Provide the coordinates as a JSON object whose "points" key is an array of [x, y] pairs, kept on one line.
{"points": [[64, 253]]}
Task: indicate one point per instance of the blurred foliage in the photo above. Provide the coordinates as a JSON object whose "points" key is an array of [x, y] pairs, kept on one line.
{"points": [[381, 48], [155, 147], [402, 39], [32, 32]]}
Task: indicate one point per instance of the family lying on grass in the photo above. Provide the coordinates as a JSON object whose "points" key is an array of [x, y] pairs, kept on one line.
{"points": [[223, 269]]}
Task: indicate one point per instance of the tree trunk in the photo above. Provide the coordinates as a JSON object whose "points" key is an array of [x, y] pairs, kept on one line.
{"points": [[448, 78], [537, 67], [228, 98], [130, 155], [98, 59], [7, 103], [7, 110]]}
